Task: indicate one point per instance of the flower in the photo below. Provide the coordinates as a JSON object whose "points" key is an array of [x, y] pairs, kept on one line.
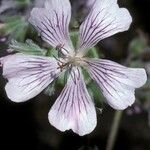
{"points": [[74, 109]]}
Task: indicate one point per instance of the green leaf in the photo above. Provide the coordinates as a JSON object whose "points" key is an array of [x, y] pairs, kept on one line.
{"points": [[62, 79], [16, 26], [86, 75], [95, 92], [27, 48], [9, 19], [93, 89], [93, 53], [74, 38], [51, 52], [22, 3]]}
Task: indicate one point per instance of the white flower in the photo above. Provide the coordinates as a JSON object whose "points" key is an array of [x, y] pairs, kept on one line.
{"points": [[29, 75]]}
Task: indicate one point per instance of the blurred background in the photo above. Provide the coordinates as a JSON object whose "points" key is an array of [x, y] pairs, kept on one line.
{"points": [[25, 126]]}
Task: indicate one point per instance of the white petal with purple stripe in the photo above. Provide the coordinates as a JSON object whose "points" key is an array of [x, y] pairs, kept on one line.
{"points": [[104, 20], [74, 108], [117, 82], [27, 75], [52, 22]]}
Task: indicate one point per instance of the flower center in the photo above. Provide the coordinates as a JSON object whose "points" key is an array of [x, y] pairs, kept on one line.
{"points": [[75, 61], [70, 61]]}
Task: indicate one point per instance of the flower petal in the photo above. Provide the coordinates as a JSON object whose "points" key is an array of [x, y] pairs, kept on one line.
{"points": [[104, 20], [74, 108], [52, 22], [117, 82], [27, 75]]}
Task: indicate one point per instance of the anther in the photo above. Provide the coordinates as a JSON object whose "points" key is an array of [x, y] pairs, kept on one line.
{"points": [[60, 46]]}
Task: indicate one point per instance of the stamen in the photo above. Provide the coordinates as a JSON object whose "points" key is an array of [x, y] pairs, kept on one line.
{"points": [[61, 66], [60, 47], [59, 63]]}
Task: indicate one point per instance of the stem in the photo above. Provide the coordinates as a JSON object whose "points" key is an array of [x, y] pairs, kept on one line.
{"points": [[114, 130]]}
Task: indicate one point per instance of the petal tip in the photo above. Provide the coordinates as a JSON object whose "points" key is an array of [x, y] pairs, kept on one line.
{"points": [[65, 125], [11, 94], [142, 77]]}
